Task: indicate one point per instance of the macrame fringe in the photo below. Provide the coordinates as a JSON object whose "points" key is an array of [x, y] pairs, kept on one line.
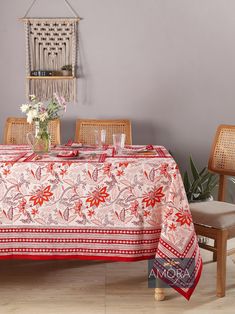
{"points": [[44, 89]]}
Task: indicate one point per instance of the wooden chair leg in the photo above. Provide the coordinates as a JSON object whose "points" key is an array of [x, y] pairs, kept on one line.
{"points": [[159, 294], [215, 253], [221, 243], [159, 290]]}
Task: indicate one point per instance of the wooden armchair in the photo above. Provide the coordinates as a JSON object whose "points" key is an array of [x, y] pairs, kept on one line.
{"points": [[216, 219], [85, 130], [16, 129]]}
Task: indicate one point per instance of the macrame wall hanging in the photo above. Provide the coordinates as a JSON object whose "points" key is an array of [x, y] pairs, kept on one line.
{"points": [[51, 56]]}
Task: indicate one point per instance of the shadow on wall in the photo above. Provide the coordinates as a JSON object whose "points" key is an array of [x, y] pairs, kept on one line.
{"points": [[155, 134], [67, 129]]}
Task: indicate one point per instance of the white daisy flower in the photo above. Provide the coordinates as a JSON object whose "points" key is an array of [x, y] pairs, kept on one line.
{"points": [[24, 108]]}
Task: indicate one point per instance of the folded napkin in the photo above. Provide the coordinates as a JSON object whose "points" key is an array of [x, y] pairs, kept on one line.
{"points": [[149, 147], [70, 154], [69, 143], [76, 144]]}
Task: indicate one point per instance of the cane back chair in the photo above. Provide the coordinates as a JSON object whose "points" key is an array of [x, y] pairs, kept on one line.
{"points": [[85, 130], [216, 219], [17, 128]]}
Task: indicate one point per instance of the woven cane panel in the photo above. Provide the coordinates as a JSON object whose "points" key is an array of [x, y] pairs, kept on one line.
{"points": [[223, 158], [16, 130], [85, 130]]}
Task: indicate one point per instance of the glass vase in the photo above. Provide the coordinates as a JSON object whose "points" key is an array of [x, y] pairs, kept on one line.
{"points": [[41, 140]]}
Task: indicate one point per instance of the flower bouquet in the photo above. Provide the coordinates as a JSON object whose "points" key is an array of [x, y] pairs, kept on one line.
{"points": [[40, 114]]}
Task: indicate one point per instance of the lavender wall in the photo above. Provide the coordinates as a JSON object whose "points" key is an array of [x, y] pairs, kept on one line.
{"points": [[168, 65]]}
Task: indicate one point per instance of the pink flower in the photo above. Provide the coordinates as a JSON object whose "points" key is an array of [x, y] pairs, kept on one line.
{"points": [[61, 101]]}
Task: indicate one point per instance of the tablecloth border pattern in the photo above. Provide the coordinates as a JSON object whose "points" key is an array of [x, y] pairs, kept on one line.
{"points": [[50, 243]]}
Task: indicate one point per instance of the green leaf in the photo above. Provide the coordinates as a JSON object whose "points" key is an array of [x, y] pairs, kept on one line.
{"points": [[202, 184], [212, 179], [200, 181], [202, 171], [194, 170], [209, 180], [186, 182], [212, 186]]}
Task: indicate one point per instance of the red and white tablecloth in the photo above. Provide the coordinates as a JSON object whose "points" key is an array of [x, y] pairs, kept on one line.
{"points": [[97, 206]]}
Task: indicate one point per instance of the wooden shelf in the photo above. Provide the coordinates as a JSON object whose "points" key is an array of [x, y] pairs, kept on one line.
{"points": [[50, 77]]}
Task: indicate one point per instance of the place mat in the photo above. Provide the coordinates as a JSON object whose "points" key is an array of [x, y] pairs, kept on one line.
{"points": [[142, 152]]}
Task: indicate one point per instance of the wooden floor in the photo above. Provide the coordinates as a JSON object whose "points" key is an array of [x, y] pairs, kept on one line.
{"points": [[31, 287]]}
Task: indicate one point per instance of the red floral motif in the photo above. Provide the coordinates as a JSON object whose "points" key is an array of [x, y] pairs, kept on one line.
{"points": [[97, 196], [50, 167], [164, 170], [66, 163], [91, 213], [41, 196], [120, 173], [6, 171], [184, 218], [146, 213], [63, 172], [134, 208], [153, 197], [78, 207], [172, 227], [123, 164], [34, 211], [22, 206], [9, 163], [107, 169]]}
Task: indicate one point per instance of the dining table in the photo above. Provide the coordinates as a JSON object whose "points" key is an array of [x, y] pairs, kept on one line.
{"points": [[85, 202]]}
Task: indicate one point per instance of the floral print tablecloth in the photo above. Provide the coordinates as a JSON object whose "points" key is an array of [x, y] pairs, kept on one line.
{"points": [[104, 206]]}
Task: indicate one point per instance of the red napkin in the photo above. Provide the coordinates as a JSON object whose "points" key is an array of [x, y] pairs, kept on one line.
{"points": [[69, 143], [74, 153], [149, 147]]}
